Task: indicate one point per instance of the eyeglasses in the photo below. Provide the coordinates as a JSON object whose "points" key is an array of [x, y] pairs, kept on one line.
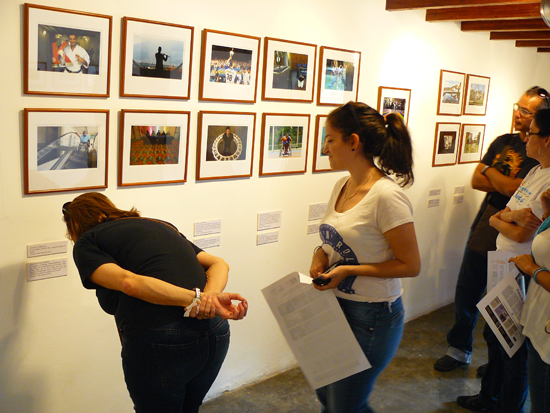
{"points": [[529, 134], [65, 208], [522, 111]]}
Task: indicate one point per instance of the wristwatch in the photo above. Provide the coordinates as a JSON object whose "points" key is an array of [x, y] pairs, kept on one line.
{"points": [[484, 170]]}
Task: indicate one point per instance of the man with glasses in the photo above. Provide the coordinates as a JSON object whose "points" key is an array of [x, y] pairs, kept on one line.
{"points": [[498, 174]]}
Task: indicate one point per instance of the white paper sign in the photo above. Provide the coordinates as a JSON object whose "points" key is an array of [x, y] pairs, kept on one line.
{"points": [[316, 330]]}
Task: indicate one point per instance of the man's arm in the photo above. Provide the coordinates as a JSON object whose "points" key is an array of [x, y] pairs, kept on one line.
{"points": [[494, 181]]}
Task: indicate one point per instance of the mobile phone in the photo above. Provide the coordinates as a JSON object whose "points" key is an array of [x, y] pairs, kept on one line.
{"points": [[324, 281]]}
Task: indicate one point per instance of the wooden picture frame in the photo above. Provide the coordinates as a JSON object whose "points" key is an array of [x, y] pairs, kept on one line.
{"points": [[153, 147], [446, 144], [66, 60], [471, 143], [338, 80], [394, 100], [220, 157], [289, 70], [476, 95], [65, 150], [240, 53], [451, 93], [284, 144], [320, 160], [156, 59]]}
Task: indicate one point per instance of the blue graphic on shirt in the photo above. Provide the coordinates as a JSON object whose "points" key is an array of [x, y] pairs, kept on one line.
{"points": [[329, 235]]}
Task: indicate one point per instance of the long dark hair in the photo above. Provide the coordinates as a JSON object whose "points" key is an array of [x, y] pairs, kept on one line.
{"points": [[89, 210], [385, 138], [542, 119]]}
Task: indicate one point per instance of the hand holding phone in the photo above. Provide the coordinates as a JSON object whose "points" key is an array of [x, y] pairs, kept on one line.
{"points": [[320, 281]]}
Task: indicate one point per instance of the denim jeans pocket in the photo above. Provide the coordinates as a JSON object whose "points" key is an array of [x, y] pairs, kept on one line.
{"points": [[177, 363]]}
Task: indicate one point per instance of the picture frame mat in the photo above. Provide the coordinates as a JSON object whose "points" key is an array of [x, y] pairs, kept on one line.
{"points": [[471, 157], [64, 180], [451, 109], [385, 91], [474, 109], [282, 165], [223, 91], [448, 158], [320, 162], [336, 97], [37, 82], [216, 169], [139, 86], [151, 174], [271, 45]]}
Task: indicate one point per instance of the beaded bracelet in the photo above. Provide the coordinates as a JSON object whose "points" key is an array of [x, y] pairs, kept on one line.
{"points": [[536, 273]]}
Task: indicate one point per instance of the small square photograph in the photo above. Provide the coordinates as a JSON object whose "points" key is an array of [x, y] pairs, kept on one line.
{"points": [[447, 142], [226, 143], [155, 145], [68, 50], [476, 95], [157, 57], [394, 105], [230, 65], [289, 70], [339, 75], [452, 90], [285, 141]]}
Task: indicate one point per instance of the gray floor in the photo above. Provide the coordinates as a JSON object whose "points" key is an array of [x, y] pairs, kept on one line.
{"points": [[409, 384]]}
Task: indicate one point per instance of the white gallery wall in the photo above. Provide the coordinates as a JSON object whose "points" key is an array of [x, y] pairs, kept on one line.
{"points": [[60, 353]]}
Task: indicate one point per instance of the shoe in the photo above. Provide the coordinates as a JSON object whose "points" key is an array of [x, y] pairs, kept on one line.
{"points": [[473, 403], [481, 370], [447, 363]]}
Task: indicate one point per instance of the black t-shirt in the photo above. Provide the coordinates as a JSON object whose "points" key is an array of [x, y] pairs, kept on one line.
{"points": [[145, 247], [508, 156]]}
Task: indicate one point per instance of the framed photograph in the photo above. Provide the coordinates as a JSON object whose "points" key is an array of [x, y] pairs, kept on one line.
{"points": [[156, 59], [320, 160], [477, 92], [153, 147], [471, 143], [289, 70], [284, 143], [451, 93], [338, 76], [65, 150], [446, 143], [67, 52], [394, 100], [225, 145], [229, 67]]}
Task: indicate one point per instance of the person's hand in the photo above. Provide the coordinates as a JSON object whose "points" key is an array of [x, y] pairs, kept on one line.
{"points": [[319, 263], [524, 263], [545, 200], [81, 60], [221, 304], [336, 275], [525, 218]]}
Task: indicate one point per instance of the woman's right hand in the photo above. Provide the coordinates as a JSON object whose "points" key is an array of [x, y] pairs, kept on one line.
{"points": [[221, 304], [319, 263]]}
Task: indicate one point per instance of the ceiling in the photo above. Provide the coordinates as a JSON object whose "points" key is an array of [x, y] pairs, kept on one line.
{"points": [[511, 20]]}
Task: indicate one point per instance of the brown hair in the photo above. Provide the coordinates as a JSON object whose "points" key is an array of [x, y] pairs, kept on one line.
{"points": [[385, 138], [91, 209]]}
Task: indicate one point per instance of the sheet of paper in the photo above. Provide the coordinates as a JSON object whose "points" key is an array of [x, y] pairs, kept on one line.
{"points": [[316, 330], [502, 307], [498, 267]]}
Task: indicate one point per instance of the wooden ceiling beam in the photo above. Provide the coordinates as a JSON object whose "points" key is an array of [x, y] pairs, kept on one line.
{"points": [[504, 25], [514, 11], [543, 49], [532, 43], [397, 5], [519, 35]]}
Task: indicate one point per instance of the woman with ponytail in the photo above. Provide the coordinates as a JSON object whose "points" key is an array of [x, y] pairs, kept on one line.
{"points": [[368, 229]]}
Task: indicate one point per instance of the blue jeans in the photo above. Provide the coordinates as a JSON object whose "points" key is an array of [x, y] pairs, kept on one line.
{"points": [[470, 286], [170, 369], [539, 381], [378, 328], [504, 384]]}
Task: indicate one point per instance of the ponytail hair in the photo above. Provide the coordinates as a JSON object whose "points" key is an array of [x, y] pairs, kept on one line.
{"points": [[385, 139]]}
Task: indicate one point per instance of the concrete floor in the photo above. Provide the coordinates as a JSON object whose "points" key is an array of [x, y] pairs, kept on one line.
{"points": [[409, 384]]}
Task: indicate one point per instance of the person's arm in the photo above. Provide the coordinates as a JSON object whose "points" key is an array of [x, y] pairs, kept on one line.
{"points": [[217, 272], [319, 263], [503, 184], [406, 261], [526, 264], [510, 229], [523, 217]]}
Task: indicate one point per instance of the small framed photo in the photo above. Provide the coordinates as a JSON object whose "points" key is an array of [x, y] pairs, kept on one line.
{"points": [[65, 150], [153, 147], [451, 93], [477, 92], [289, 70], [225, 145], [338, 76], [394, 100], [229, 67], [156, 59], [471, 143], [446, 143], [320, 160], [70, 59], [284, 143]]}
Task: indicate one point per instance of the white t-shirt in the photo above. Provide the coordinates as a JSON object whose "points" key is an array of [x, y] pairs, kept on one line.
{"points": [[536, 311], [526, 196], [357, 236]]}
